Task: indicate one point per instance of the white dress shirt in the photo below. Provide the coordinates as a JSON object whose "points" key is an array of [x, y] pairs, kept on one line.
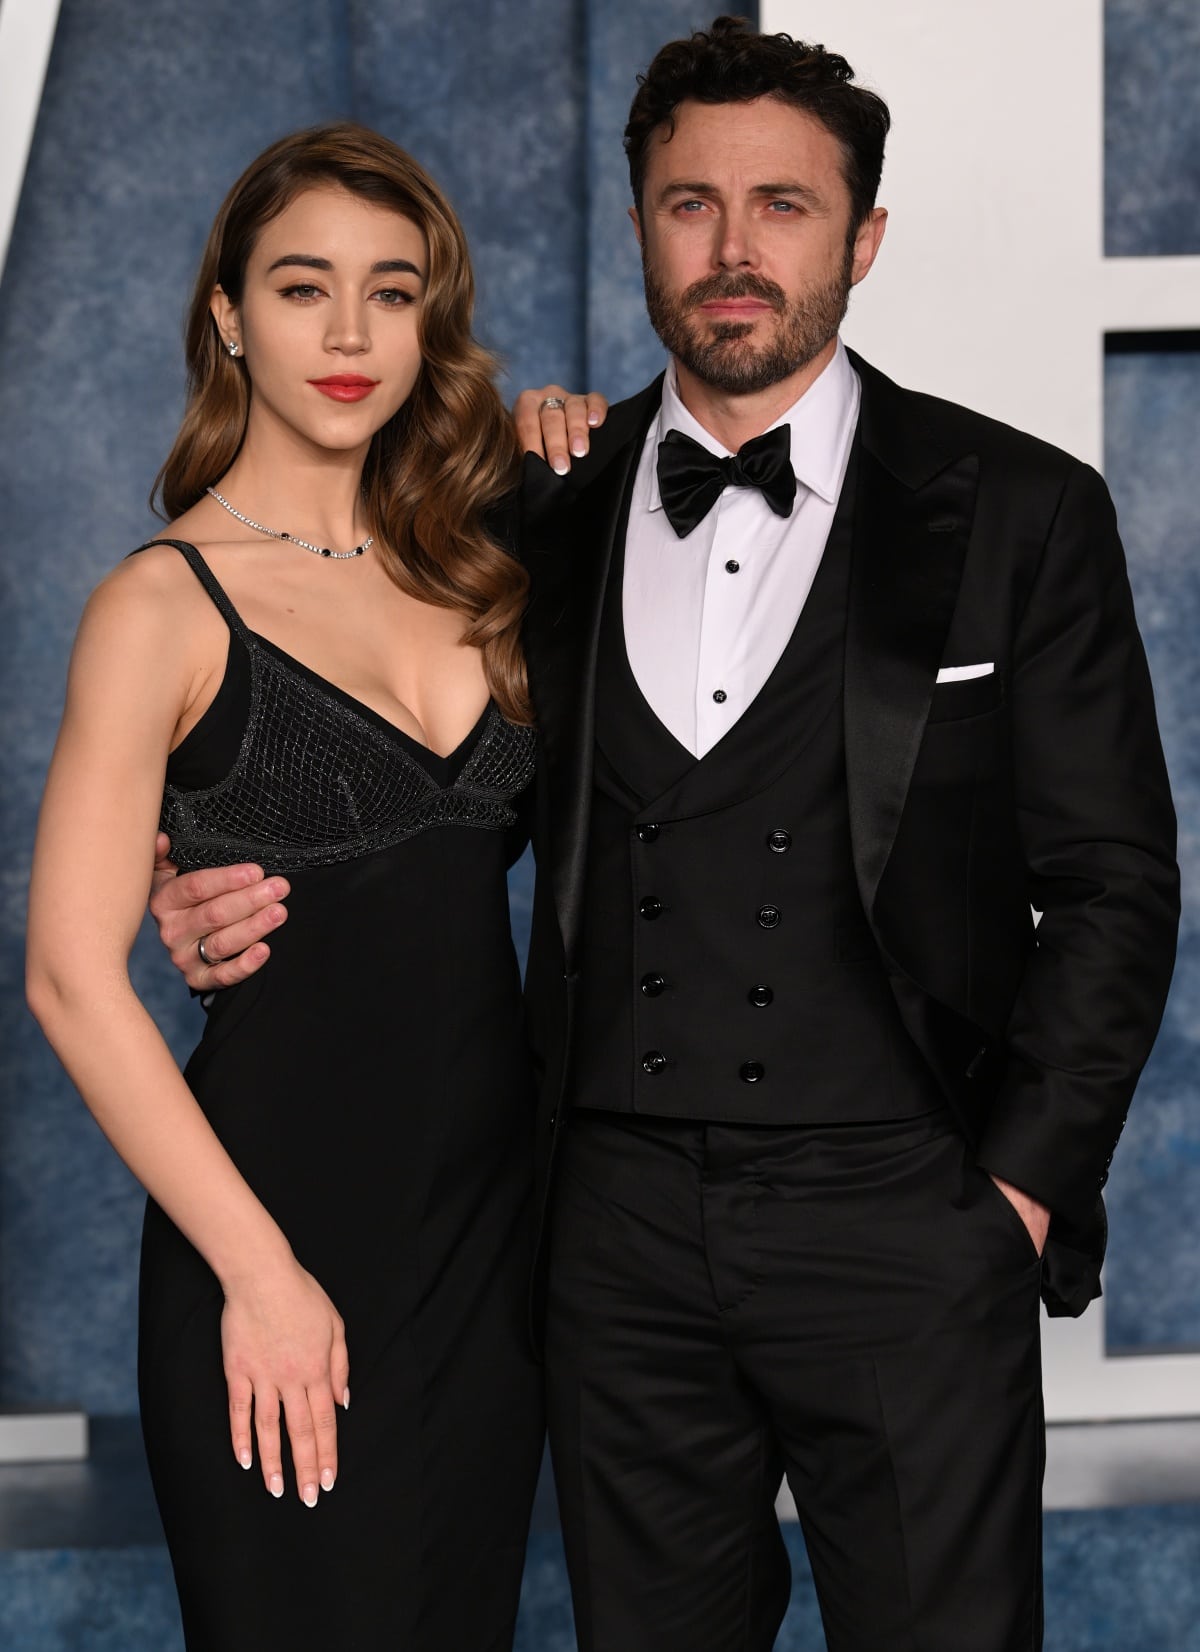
{"points": [[707, 617]]}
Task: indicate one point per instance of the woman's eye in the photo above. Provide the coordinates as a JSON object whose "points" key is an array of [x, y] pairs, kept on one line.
{"points": [[303, 290], [394, 298]]}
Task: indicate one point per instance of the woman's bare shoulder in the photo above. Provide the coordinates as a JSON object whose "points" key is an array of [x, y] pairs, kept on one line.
{"points": [[155, 591]]}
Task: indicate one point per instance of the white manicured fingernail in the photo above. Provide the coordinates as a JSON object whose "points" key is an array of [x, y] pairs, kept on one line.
{"points": [[593, 418], [276, 1485], [345, 1399], [561, 467], [310, 1497], [579, 447], [326, 1479], [244, 1457]]}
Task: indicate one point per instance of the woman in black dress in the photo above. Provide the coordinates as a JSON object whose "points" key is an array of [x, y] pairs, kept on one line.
{"points": [[318, 670]]}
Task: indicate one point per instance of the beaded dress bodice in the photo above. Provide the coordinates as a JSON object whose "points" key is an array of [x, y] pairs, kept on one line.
{"points": [[321, 778]]}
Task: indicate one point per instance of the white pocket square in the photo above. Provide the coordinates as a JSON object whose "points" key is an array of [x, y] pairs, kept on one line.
{"points": [[963, 673]]}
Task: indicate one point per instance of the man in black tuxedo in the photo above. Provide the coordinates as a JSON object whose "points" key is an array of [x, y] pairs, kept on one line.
{"points": [[834, 682]]}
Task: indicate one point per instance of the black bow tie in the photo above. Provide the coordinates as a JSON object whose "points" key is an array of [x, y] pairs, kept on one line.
{"points": [[691, 479]]}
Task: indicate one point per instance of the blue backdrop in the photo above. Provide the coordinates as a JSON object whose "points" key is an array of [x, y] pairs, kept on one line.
{"points": [[149, 112]]}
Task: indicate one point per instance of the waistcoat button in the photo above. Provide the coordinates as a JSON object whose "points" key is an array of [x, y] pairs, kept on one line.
{"points": [[648, 833], [779, 842], [768, 916], [654, 1061], [652, 985], [650, 908], [760, 997], [751, 1071]]}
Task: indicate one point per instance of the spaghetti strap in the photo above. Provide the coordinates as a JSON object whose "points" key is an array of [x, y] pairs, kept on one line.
{"points": [[209, 581]]}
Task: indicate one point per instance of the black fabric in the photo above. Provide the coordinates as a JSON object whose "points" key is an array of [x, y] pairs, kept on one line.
{"points": [[318, 777], [372, 1086], [209, 750], [691, 479], [700, 1010], [856, 1307]]}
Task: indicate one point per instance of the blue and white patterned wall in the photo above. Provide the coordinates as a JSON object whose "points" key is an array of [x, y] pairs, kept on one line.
{"points": [[1151, 421]]}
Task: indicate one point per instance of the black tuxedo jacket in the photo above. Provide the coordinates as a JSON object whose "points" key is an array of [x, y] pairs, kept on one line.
{"points": [[1040, 784]]}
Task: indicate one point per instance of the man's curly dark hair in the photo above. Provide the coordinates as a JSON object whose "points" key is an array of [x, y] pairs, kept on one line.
{"points": [[732, 63]]}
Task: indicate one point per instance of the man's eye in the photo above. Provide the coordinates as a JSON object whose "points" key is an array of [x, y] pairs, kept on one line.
{"points": [[691, 206], [782, 208]]}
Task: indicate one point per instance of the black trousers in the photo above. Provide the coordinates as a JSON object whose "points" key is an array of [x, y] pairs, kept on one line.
{"points": [[853, 1306]]}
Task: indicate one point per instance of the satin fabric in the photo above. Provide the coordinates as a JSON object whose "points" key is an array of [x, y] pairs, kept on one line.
{"points": [[691, 479]]}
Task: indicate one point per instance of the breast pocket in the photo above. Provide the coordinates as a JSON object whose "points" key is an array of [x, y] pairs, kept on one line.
{"points": [[970, 698]]}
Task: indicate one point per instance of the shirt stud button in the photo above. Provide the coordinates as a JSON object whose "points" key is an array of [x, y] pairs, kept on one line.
{"points": [[720, 696], [732, 567]]}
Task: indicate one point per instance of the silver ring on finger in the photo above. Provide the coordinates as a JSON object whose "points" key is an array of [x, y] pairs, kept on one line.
{"points": [[204, 957], [550, 401]]}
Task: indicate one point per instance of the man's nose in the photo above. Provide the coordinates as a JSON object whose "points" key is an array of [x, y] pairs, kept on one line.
{"points": [[736, 248]]}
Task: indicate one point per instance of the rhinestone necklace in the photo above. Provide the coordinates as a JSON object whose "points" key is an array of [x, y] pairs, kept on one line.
{"points": [[317, 550]]}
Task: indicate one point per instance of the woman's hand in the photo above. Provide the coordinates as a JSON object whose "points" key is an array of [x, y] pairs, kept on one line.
{"points": [[284, 1345], [557, 433]]}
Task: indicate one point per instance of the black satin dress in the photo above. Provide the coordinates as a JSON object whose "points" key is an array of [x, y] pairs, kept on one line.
{"points": [[371, 1083]]}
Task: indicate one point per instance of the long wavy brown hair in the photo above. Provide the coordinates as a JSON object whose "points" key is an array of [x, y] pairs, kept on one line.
{"points": [[445, 459]]}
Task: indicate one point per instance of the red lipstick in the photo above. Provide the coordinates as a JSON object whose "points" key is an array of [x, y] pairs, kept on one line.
{"points": [[344, 387]]}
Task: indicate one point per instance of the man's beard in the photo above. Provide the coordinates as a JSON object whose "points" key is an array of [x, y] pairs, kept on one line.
{"points": [[714, 351]]}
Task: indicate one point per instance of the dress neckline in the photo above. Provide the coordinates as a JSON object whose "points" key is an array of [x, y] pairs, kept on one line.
{"points": [[434, 762]]}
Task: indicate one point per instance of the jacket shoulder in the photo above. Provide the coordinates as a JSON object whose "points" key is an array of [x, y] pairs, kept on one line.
{"points": [[911, 423]]}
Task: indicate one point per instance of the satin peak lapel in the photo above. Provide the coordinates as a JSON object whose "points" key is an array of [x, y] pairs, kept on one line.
{"points": [[909, 546], [568, 536]]}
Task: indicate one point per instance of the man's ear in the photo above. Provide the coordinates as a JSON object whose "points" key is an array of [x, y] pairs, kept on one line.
{"points": [[225, 314], [636, 220], [867, 243]]}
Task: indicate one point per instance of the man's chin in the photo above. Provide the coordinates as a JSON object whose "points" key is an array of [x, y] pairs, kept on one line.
{"points": [[737, 369]]}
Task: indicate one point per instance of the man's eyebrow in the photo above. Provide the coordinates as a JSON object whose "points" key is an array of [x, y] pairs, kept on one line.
{"points": [[683, 188], [802, 192], [310, 261]]}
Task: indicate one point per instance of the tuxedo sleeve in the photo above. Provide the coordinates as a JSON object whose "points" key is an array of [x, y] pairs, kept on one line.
{"points": [[1098, 833]]}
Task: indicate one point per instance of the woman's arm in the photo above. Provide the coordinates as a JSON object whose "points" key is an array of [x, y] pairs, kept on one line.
{"points": [[131, 677]]}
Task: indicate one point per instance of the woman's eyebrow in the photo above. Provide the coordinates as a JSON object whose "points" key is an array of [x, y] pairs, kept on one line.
{"points": [[310, 261]]}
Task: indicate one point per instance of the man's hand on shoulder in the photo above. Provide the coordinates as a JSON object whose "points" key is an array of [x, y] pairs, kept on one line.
{"points": [[228, 908], [1035, 1216], [556, 424]]}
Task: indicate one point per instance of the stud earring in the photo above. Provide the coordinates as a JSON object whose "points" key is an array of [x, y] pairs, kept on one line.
{"points": [[233, 347]]}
